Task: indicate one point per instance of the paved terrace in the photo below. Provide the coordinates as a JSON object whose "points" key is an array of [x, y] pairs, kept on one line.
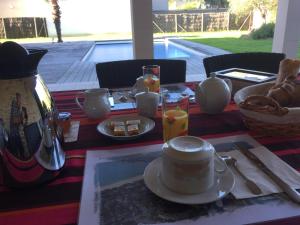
{"points": [[62, 67]]}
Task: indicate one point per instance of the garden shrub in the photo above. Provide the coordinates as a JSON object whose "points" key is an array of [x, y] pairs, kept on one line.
{"points": [[265, 31]]}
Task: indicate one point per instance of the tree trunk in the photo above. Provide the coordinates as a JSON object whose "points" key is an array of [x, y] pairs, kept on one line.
{"points": [[56, 19]]}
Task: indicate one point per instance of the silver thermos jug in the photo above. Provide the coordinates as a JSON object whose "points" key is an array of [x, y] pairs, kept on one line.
{"points": [[30, 139]]}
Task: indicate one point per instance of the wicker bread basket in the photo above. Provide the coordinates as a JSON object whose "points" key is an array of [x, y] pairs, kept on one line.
{"points": [[269, 124]]}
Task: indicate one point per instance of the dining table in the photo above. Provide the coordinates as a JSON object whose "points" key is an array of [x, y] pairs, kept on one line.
{"points": [[58, 201]]}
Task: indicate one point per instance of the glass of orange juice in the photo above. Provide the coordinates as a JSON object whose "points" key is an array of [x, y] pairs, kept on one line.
{"points": [[151, 74], [175, 111]]}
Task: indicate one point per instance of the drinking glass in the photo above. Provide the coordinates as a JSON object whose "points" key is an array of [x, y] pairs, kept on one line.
{"points": [[175, 110], [151, 75]]}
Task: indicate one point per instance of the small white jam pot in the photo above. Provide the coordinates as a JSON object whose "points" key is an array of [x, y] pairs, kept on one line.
{"points": [[147, 103]]}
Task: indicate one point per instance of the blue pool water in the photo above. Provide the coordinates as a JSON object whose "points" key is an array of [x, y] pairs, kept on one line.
{"points": [[122, 51]]}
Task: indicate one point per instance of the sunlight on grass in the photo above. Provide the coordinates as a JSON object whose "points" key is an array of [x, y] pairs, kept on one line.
{"points": [[236, 45], [220, 34]]}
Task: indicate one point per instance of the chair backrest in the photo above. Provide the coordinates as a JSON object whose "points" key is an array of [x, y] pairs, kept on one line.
{"points": [[116, 74], [260, 61]]}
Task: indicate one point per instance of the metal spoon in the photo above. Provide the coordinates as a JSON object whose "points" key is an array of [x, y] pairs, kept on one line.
{"points": [[249, 183]]}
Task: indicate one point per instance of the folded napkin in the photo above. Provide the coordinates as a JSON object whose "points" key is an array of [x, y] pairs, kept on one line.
{"points": [[266, 184], [72, 134]]}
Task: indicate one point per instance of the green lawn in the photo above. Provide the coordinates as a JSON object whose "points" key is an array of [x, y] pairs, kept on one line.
{"points": [[236, 44]]}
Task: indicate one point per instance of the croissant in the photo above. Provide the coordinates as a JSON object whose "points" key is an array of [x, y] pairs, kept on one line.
{"points": [[283, 93], [288, 70], [284, 89], [263, 104]]}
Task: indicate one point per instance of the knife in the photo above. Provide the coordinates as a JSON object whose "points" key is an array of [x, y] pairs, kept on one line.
{"points": [[291, 192]]}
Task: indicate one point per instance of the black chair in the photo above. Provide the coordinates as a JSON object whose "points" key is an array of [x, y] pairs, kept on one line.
{"points": [[259, 61], [116, 74]]}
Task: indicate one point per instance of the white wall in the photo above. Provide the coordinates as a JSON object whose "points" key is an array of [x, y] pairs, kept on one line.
{"points": [[24, 8], [258, 21], [94, 16], [97, 16], [78, 16]]}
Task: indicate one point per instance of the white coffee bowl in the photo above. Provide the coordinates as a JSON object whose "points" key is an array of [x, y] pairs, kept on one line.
{"points": [[188, 165]]}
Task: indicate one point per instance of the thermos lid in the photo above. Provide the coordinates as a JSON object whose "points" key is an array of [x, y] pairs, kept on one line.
{"points": [[18, 62]]}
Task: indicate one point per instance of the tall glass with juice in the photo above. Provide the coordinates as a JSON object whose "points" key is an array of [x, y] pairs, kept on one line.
{"points": [[174, 116], [151, 74]]}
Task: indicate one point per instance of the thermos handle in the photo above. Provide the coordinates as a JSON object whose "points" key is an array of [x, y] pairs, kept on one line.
{"points": [[77, 101]]}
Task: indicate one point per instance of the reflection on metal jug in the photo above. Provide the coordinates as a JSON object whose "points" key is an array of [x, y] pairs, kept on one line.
{"points": [[30, 149]]}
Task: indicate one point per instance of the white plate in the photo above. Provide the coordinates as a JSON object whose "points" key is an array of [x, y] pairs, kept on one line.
{"points": [[145, 126], [223, 185]]}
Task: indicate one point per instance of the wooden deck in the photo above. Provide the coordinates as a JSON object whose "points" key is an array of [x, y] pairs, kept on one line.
{"points": [[79, 72], [82, 75]]}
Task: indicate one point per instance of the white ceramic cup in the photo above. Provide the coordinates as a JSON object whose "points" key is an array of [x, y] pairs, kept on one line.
{"points": [[188, 165]]}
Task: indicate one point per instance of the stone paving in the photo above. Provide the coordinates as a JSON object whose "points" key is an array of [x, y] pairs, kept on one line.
{"points": [[62, 67]]}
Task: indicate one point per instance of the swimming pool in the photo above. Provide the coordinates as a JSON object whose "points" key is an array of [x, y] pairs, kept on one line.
{"points": [[111, 51]]}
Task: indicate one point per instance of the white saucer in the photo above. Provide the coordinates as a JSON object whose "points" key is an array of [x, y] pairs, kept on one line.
{"points": [[223, 185]]}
